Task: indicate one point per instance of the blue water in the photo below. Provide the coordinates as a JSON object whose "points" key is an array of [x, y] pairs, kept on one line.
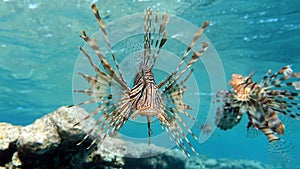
{"points": [[39, 39]]}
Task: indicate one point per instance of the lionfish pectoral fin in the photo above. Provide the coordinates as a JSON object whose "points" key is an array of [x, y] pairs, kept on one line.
{"points": [[102, 26], [176, 127], [92, 42], [228, 115], [169, 125]]}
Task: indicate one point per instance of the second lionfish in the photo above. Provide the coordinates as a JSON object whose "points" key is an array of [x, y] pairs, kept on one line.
{"points": [[147, 98], [276, 94]]}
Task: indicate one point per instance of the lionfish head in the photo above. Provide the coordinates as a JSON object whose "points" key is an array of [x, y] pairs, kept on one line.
{"points": [[236, 80], [142, 71]]}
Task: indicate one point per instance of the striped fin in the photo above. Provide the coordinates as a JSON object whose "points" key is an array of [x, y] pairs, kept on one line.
{"points": [[194, 58], [110, 72], [149, 47], [171, 124], [171, 119], [114, 121], [274, 123], [111, 110], [173, 132], [280, 150], [281, 97], [100, 84], [102, 26], [287, 105], [173, 77], [230, 112], [107, 89], [196, 37], [154, 27], [165, 81], [155, 55], [112, 117], [267, 122], [270, 134], [175, 94], [147, 27], [175, 112], [276, 80]]}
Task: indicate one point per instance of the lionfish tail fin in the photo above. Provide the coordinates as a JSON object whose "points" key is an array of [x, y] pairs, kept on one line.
{"points": [[282, 152]]}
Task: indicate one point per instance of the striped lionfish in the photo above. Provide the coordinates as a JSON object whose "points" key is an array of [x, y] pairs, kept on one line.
{"points": [[276, 94], [146, 97]]}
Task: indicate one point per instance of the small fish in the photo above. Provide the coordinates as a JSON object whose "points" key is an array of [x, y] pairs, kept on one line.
{"points": [[117, 101], [276, 94]]}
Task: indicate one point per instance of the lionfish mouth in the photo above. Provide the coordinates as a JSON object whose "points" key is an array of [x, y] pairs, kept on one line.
{"points": [[149, 112]]}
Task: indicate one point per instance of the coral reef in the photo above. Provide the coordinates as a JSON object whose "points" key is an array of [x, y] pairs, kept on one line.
{"points": [[51, 142]]}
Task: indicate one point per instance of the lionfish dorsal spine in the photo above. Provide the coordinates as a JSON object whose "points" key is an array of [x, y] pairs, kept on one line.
{"points": [[92, 42], [150, 36]]}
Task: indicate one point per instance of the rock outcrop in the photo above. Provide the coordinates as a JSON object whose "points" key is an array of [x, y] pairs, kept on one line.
{"points": [[51, 142]]}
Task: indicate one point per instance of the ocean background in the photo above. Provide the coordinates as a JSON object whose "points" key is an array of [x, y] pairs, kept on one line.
{"points": [[38, 52]]}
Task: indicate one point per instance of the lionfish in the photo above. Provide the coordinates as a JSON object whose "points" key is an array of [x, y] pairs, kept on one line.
{"points": [[276, 94], [146, 98]]}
